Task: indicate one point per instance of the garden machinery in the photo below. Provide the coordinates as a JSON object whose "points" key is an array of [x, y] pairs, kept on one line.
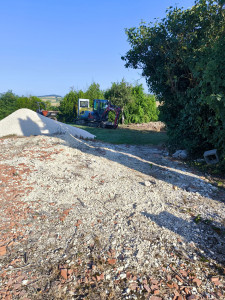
{"points": [[99, 116], [47, 113]]}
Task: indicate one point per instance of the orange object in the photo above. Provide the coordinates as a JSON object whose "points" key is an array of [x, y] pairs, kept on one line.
{"points": [[44, 112]]}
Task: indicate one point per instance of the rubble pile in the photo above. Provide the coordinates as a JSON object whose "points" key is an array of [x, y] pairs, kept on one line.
{"points": [[25, 122], [87, 220]]}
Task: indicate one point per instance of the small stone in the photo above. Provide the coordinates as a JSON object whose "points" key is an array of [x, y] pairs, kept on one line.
{"points": [[123, 275], [147, 183], [24, 282], [180, 154], [133, 286], [191, 297]]}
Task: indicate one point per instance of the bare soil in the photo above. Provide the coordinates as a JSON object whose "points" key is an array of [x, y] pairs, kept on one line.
{"points": [[151, 126]]}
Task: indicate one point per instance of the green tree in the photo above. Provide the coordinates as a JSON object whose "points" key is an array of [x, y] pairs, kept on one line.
{"points": [[8, 104], [120, 94], [182, 59], [143, 109], [93, 92], [69, 106], [28, 102], [137, 107]]}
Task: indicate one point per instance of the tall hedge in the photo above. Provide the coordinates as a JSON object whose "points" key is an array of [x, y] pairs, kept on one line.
{"points": [[182, 58]]}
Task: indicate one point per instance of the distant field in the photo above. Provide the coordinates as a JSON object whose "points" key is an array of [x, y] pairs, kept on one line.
{"points": [[54, 99], [127, 136]]}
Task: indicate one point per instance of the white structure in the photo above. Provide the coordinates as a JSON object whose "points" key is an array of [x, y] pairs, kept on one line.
{"points": [[82, 103]]}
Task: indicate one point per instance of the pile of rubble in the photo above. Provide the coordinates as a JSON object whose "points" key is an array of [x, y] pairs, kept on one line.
{"points": [[25, 122], [86, 220]]}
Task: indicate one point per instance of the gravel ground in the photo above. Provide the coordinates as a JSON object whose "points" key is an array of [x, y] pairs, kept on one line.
{"points": [[86, 220]]}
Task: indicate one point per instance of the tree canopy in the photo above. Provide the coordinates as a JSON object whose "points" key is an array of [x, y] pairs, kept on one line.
{"points": [[182, 58], [137, 107], [9, 102]]}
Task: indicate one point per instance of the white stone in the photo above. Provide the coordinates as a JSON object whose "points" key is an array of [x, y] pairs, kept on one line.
{"points": [[180, 154]]}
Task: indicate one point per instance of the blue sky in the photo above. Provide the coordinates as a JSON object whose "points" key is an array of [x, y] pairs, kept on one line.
{"points": [[49, 46]]}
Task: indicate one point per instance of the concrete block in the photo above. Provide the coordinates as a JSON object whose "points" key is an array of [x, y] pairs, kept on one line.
{"points": [[211, 157]]}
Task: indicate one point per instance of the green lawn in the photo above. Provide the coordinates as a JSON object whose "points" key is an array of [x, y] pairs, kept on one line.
{"points": [[127, 136]]}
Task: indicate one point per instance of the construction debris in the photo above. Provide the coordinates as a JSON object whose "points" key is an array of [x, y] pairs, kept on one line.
{"points": [[79, 221], [25, 122], [211, 157]]}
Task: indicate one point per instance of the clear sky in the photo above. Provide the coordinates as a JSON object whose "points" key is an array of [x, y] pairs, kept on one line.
{"points": [[49, 46]]}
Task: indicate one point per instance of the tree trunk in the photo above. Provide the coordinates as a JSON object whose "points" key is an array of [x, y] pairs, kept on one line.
{"points": [[122, 116]]}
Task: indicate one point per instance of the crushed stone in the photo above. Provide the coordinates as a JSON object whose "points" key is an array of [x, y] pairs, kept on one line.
{"points": [[82, 219], [25, 122]]}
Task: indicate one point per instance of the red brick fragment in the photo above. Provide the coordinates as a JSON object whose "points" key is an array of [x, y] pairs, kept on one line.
{"points": [[154, 281], [170, 285], [146, 286], [183, 273], [169, 277], [175, 286], [64, 273], [179, 279], [2, 250], [197, 281], [100, 277], [112, 261], [154, 287], [213, 279], [155, 298]]}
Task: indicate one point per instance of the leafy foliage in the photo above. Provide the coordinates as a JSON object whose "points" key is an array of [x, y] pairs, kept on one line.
{"points": [[69, 105], [182, 58], [137, 107], [9, 102]]}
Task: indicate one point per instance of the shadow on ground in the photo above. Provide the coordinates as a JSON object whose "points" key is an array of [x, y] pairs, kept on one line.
{"points": [[150, 161], [208, 236]]}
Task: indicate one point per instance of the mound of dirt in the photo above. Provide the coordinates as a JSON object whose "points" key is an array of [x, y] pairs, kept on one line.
{"points": [[151, 126], [25, 122]]}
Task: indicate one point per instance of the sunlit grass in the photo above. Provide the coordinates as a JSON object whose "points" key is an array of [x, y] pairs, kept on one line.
{"points": [[127, 136]]}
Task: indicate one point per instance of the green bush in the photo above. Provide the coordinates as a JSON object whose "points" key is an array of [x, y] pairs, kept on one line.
{"points": [[182, 58]]}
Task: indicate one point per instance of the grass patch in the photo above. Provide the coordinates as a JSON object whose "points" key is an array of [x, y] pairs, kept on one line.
{"points": [[127, 136]]}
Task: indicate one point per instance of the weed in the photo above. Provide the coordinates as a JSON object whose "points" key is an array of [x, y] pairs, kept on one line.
{"points": [[198, 219], [204, 259]]}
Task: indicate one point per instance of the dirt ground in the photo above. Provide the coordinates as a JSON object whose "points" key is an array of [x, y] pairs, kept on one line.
{"points": [[87, 220], [151, 126]]}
